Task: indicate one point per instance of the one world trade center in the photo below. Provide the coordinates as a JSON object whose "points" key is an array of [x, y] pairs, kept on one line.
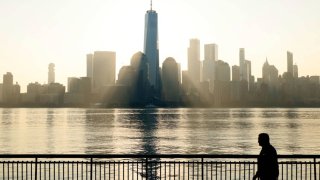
{"points": [[151, 48]]}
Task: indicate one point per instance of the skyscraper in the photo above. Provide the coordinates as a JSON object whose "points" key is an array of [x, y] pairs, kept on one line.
{"points": [[194, 61], [295, 71], [222, 83], [222, 71], [269, 74], [290, 63], [246, 73], [266, 72], [170, 79], [210, 57], [235, 73], [103, 69], [7, 87], [235, 84], [73, 85], [51, 73], [211, 52], [151, 49], [241, 62], [90, 68], [245, 68], [140, 84], [89, 65]]}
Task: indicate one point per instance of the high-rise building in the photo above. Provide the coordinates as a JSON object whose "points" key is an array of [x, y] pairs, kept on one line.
{"points": [[194, 61], [8, 79], [266, 72], [170, 80], [210, 56], [315, 80], [7, 88], [89, 65], [295, 71], [245, 66], [235, 84], [46, 94], [211, 52], [53, 94], [185, 81], [51, 73], [235, 73], [73, 85], [79, 85], [140, 84], [78, 91], [241, 63], [246, 71], [85, 85], [222, 88], [274, 75], [269, 74], [290, 63], [103, 69], [247, 74], [222, 71], [126, 76], [16, 93], [151, 48], [179, 73], [35, 88]]}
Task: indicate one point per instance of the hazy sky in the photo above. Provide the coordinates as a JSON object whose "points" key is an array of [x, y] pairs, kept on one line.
{"points": [[34, 33]]}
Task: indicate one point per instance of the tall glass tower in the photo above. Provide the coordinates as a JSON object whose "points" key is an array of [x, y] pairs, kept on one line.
{"points": [[151, 49]]}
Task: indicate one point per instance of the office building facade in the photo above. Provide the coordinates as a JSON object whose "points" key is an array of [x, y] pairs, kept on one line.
{"points": [[290, 63], [51, 73], [208, 70], [194, 64], [170, 80], [103, 70]]}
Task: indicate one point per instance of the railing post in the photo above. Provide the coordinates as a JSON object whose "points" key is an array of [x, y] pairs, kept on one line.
{"points": [[91, 167], [36, 169], [147, 176], [202, 170], [315, 168]]}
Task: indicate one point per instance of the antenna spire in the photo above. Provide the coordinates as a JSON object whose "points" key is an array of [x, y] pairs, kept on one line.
{"points": [[151, 5]]}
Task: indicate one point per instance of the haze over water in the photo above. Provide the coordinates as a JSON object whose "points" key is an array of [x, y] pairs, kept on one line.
{"points": [[158, 131]]}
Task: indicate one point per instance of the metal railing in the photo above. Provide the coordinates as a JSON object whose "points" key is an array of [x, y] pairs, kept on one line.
{"points": [[135, 167]]}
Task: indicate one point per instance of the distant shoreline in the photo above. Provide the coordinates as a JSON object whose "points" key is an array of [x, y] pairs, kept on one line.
{"points": [[167, 107]]}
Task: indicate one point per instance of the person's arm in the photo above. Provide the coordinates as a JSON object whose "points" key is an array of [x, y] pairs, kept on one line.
{"points": [[256, 175], [258, 172]]}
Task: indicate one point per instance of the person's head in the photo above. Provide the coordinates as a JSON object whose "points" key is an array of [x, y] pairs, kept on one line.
{"points": [[263, 139]]}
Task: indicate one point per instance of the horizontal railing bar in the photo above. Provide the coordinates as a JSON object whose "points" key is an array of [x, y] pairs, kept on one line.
{"points": [[172, 166], [157, 162], [175, 156]]}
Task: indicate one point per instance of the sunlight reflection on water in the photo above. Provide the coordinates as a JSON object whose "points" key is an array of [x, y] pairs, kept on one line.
{"points": [[182, 130]]}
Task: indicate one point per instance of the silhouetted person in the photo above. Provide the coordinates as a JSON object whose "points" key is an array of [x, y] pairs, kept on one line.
{"points": [[268, 168]]}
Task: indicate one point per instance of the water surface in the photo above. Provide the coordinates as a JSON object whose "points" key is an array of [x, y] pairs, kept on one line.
{"points": [[182, 130]]}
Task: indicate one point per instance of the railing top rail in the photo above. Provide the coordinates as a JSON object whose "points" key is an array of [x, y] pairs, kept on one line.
{"points": [[176, 156]]}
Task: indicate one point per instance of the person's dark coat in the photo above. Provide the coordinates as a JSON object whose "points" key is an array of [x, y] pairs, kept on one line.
{"points": [[268, 168]]}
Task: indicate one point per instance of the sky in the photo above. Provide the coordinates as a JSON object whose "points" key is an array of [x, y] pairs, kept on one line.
{"points": [[34, 33]]}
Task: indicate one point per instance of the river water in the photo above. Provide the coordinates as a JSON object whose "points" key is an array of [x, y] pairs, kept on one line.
{"points": [[158, 131]]}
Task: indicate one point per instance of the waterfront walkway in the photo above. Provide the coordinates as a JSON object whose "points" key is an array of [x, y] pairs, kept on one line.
{"points": [[134, 167]]}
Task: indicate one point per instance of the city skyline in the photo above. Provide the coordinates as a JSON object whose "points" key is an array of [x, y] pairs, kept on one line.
{"points": [[51, 34]]}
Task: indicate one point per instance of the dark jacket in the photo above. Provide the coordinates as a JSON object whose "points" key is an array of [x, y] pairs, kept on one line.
{"points": [[268, 168]]}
